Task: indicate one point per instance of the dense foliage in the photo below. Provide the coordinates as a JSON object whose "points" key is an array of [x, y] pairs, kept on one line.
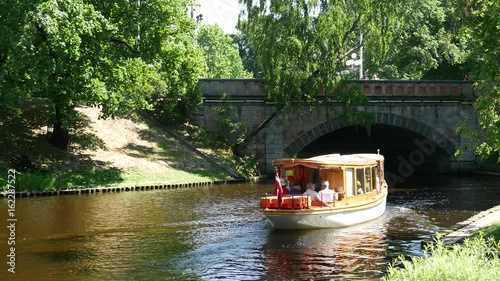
{"points": [[119, 55], [125, 55], [424, 43], [302, 46], [221, 56], [482, 26], [247, 54]]}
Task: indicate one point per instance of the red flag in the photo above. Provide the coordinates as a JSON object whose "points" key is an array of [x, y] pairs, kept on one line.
{"points": [[279, 188]]}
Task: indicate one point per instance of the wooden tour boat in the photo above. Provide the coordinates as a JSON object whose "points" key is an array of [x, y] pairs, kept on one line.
{"points": [[360, 191]]}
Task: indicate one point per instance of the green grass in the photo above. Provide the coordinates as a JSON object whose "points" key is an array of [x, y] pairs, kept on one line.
{"points": [[144, 176], [492, 231], [110, 177], [476, 259]]}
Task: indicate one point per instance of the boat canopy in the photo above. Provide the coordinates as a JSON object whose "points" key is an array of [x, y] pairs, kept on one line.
{"points": [[331, 160]]}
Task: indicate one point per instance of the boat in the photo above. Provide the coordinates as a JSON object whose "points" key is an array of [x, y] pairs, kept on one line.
{"points": [[357, 181]]}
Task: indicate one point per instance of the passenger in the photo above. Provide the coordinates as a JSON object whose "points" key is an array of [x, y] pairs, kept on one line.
{"points": [[360, 190], [326, 194], [296, 188], [284, 184], [311, 191]]}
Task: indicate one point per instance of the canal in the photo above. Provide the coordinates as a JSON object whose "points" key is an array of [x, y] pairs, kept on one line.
{"points": [[219, 233]]}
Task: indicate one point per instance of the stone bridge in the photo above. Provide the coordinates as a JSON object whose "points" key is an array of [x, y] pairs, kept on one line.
{"points": [[415, 123]]}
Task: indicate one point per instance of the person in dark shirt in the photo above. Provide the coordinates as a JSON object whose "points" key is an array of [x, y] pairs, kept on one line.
{"points": [[296, 189]]}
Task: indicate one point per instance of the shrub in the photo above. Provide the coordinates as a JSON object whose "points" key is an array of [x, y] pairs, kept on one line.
{"points": [[476, 259]]}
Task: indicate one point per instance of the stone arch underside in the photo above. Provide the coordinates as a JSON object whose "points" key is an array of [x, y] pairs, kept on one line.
{"points": [[408, 123]]}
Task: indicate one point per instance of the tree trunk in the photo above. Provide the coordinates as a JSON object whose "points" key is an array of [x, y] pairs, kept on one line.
{"points": [[60, 135]]}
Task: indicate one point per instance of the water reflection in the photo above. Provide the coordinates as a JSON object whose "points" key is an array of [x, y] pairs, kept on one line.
{"points": [[218, 232], [350, 253]]}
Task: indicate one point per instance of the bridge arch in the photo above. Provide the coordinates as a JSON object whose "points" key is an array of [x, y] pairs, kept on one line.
{"points": [[429, 109], [413, 125]]}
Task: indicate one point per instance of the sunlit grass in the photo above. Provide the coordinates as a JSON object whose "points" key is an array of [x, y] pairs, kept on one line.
{"points": [[110, 177], [144, 177], [476, 259], [492, 231]]}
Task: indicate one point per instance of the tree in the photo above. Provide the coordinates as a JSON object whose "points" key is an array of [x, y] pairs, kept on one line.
{"points": [[120, 55], [481, 24], [247, 54], [302, 45], [425, 40], [221, 55]]}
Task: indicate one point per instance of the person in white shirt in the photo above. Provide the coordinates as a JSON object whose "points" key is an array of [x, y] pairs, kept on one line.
{"points": [[284, 184], [311, 192], [326, 194], [360, 191]]}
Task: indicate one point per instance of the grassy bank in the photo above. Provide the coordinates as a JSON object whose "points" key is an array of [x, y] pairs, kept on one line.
{"points": [[112, 153], [476, 259], [112, 177], [490, 232]]}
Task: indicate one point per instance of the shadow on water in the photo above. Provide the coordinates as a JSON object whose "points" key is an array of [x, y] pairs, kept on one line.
{"points": [[448, 192]]}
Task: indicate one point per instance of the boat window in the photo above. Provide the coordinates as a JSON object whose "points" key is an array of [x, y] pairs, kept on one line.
{"points": [[376, 180], [360, 181], [349, 182], [368, 179]]}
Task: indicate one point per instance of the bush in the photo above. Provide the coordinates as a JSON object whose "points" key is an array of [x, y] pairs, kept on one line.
{"points": [[476, 259]]}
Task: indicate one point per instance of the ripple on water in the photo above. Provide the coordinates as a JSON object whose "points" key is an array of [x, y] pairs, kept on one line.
{"points": [[227, 253], [219, 232]]}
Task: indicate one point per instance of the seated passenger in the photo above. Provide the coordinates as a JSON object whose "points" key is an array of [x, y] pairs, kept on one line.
{"points": [[311, 191], [283, 187], [296, 188], [326, 194], [360, 190], [284, 184]]}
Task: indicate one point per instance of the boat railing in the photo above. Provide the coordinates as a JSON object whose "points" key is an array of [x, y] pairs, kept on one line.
{"points": [[294, 202], [288, 201]]}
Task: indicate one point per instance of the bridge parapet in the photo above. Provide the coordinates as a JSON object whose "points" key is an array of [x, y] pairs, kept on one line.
{"points": [[236, 88], [419, 89], [254, 89]]}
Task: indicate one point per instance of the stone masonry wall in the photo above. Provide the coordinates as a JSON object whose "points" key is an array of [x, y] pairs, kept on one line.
{"points": [[433, 109]]}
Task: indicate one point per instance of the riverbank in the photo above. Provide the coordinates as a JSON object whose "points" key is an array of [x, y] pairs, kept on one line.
{"points": [[484, 172], [98, 190], [129, 153], [460, 231], [467, 228]]}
